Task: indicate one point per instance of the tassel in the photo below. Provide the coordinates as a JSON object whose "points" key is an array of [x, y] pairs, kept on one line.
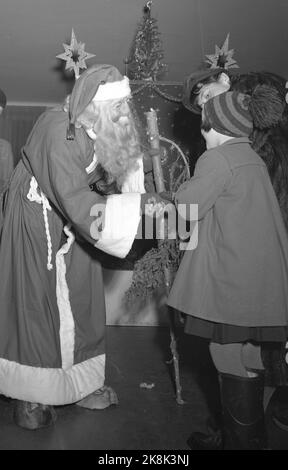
{"points": [[70, 132]]}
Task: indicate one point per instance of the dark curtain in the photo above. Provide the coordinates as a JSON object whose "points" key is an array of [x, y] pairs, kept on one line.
{"points": [[16, 123]]}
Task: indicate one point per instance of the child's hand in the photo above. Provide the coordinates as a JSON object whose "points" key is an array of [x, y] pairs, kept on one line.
{"points": [[164, 213], [149, 200]]}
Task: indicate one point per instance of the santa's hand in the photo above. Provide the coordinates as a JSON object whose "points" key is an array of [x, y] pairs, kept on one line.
{"points": [[167, 196], [163, 214], [154, 203]]}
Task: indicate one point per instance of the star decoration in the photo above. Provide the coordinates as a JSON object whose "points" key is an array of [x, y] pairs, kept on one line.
{"points": [[223, 57], [75, 55]]}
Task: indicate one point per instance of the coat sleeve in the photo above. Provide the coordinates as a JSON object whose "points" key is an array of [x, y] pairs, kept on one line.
{"points": [[211, 176], [109, 223]]}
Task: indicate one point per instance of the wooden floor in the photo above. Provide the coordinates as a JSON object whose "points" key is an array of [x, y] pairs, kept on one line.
{"points": [[146, 418]]}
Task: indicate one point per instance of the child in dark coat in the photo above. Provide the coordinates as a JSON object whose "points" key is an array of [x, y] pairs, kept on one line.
{"points": [[234, 285]]}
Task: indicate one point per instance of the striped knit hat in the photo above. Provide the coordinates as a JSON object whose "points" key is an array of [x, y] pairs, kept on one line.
{"points": [[229, 114]]}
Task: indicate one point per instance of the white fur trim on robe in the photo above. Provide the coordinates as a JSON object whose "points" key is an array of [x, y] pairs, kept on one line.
{"points": [[134, 182], [92, 165], [122, 218], [52, 386], [67, 325]]}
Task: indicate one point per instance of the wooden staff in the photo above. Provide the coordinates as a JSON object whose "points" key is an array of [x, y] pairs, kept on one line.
{"points": [[153, 132]]}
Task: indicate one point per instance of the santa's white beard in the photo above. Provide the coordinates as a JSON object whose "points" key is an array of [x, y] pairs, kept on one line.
{"points": [[118, 146]]}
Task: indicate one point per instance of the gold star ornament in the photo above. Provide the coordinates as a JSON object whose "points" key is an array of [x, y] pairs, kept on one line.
{"points": [[75, 55], [223, 57]]}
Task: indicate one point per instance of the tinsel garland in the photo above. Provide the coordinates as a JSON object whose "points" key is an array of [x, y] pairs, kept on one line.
{"points": [[155, 86], [145, 60]]}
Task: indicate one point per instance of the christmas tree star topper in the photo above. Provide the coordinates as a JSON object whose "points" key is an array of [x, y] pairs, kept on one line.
{"points": [[147, 7], [223, 57], [75, 55]]}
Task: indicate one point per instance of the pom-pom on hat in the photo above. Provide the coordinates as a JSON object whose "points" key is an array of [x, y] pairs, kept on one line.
{"points": [[3, 99], [98, 83], [267, 106], [229, 114]]}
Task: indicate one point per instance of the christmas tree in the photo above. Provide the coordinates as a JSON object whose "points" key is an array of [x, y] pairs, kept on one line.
{"points": [[146, 54]]}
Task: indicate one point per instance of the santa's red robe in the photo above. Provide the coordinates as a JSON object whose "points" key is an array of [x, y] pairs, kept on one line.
{"points": [[52, 308], [6, 163]]}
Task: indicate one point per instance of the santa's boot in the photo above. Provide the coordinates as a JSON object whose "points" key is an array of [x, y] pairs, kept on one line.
{"points": [[243, 412], [33, 415], [100, 399]]}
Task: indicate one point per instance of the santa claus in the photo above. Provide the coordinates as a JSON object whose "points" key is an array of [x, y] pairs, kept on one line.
{"points": [[52, 323]]}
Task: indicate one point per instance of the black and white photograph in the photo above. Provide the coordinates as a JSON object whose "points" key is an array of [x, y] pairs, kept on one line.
{"points": [[144, 227]]}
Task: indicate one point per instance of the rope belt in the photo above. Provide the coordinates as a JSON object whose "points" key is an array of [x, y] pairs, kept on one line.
{"points": [[36, 195]]}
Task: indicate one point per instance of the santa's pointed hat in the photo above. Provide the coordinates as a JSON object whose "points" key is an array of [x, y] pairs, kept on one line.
{"points": [[101, 82]]}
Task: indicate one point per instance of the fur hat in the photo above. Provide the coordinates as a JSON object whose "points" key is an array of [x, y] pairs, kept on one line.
{"points": [[198, 77], [191, 81], [100, 83]]}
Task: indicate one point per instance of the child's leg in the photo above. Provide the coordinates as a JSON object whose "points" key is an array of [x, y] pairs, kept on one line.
{"points": [[241, 394], [251, 357], [242, 360], [228, 358]]}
